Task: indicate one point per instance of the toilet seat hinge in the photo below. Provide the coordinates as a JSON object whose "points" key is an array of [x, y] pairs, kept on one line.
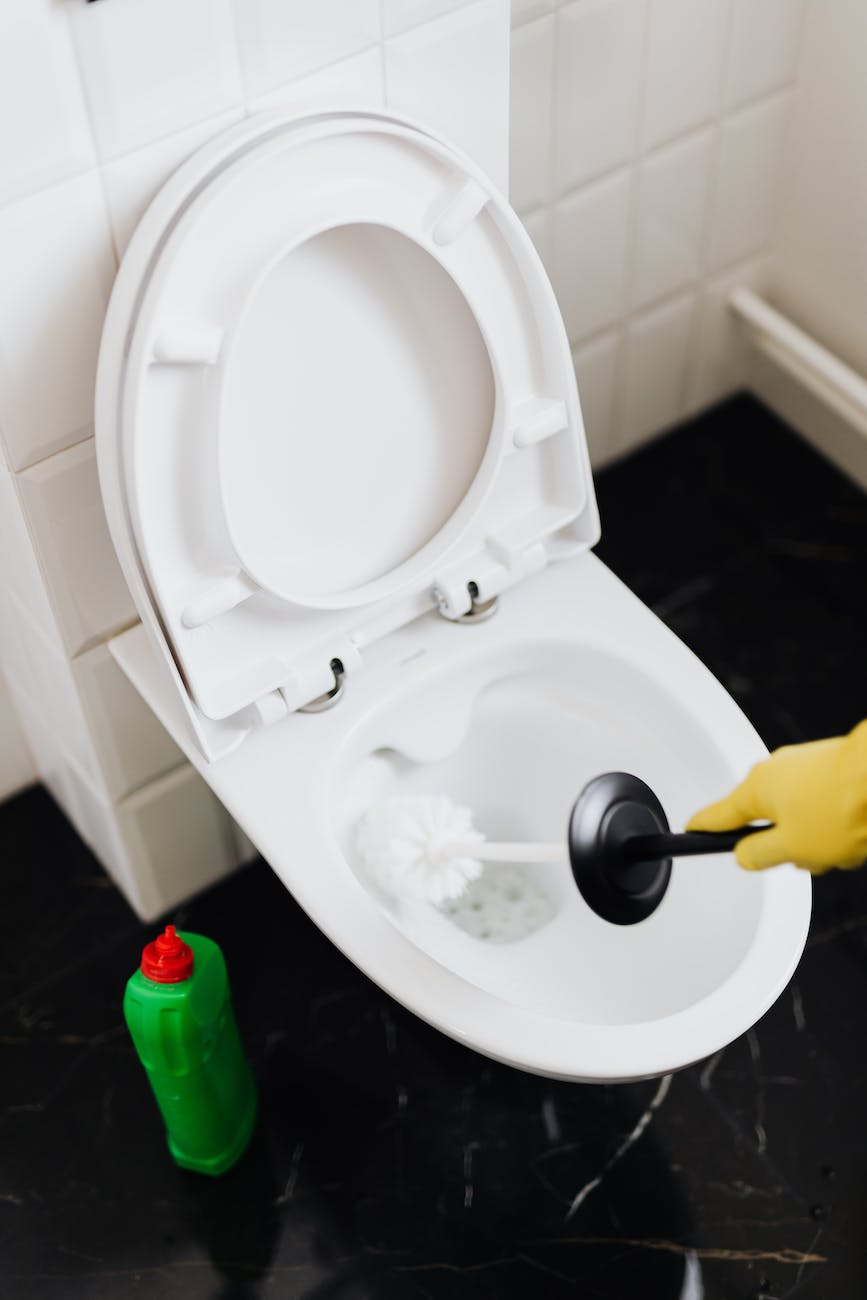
{"points": [[302, 694], [498, 567], [479, 609], [468, 607], [328, 698], [322, 682]]}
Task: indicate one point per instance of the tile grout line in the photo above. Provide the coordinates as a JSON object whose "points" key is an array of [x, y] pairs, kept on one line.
{"points": [[78, 436], [94, 140], [553, 142], [695, 348], [795, 90], [681, 137], [613, 439]]}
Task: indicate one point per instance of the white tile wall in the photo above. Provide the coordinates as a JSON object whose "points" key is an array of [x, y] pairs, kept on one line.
{"points": [[531, 104], [453, 74], [654, 371], [589, 254], [751, 149], [525, 10], [596, 371], [646, 149], [283, 39], [40, 93], [41, 672], [538, 226], [116, 773], [15, 630], [646, 138], [19, 567], [174, 830], [818, 249], [131, 181], [152, 68], [132, 746], [764, 48], [400, 15], [671, 202], [106, 101], [95, 715], [599, 46], [48, 760], [719, 358], [356, 82], [685, 54], [63, 508], [56, 272], [17, 768]]}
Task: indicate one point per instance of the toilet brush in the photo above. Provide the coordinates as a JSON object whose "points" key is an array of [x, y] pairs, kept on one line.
{"points": [[618, 845]]}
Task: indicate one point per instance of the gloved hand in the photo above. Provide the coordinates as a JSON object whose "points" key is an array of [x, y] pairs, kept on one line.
{"points": [[816, 796]]}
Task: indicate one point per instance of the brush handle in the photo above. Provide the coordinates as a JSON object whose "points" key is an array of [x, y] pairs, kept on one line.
{"points": [[638, 848], [516, 851]]}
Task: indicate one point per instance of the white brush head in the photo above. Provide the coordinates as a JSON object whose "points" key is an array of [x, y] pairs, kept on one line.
{"points": [[416, 847]]}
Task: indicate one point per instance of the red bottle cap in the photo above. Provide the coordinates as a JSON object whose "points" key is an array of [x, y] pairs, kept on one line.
{"points": [[167, 960]]}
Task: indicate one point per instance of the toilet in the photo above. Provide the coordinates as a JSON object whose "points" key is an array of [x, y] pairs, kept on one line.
{"points": [[343, 462]]}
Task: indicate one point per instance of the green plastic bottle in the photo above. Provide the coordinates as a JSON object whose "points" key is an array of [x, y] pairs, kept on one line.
{"points": [[179, 1011]]}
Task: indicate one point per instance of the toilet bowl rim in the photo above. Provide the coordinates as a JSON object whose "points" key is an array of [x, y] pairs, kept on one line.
{"points": [[532, 1040], [550, 1045], [249, 783]]}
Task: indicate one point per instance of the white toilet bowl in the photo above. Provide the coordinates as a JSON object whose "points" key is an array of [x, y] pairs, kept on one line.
{"points": [[286, 551]]}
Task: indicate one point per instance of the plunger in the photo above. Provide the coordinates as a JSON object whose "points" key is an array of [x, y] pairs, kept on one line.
{"points": [[621, 847]]}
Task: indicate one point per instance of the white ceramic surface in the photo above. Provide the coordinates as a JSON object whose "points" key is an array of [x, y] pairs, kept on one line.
{"points": [[685, 57], [531, 101], [61, 502], [571, 676], [654, 366], [152, 69], [40, 90], [398, 323], [751, 152], [284, 39], [596, 372], [55, 292], [466, 49], [671, 201], [598, 51], [589, 242], [104, 106], [763, 51]]}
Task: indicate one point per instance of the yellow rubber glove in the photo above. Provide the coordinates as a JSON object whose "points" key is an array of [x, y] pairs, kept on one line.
{"points": [[816, 796]]}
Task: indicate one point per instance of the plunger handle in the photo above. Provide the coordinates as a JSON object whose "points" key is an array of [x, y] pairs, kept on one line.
{"points": [[620, 847], [687, 844]]}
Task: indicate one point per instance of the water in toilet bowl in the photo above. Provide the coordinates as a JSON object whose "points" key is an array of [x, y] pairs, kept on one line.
{"points": [[519, 751], [505, 904]]}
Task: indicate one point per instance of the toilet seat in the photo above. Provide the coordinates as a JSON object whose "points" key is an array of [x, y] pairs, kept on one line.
{"points": [[279, 509]]}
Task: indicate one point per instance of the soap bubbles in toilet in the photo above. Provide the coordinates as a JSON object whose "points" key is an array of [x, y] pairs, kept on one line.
{"points": [[504, 904], [425, 849]]}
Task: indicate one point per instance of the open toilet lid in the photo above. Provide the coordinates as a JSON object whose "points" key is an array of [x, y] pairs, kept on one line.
{"points": [[334, 392]]}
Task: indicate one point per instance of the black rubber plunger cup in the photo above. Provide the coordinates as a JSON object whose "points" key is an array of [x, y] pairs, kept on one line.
{"points": [[620, 847]]}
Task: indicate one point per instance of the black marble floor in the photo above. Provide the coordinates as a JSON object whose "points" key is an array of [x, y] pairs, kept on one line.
{"points": [[391, 1162]]}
